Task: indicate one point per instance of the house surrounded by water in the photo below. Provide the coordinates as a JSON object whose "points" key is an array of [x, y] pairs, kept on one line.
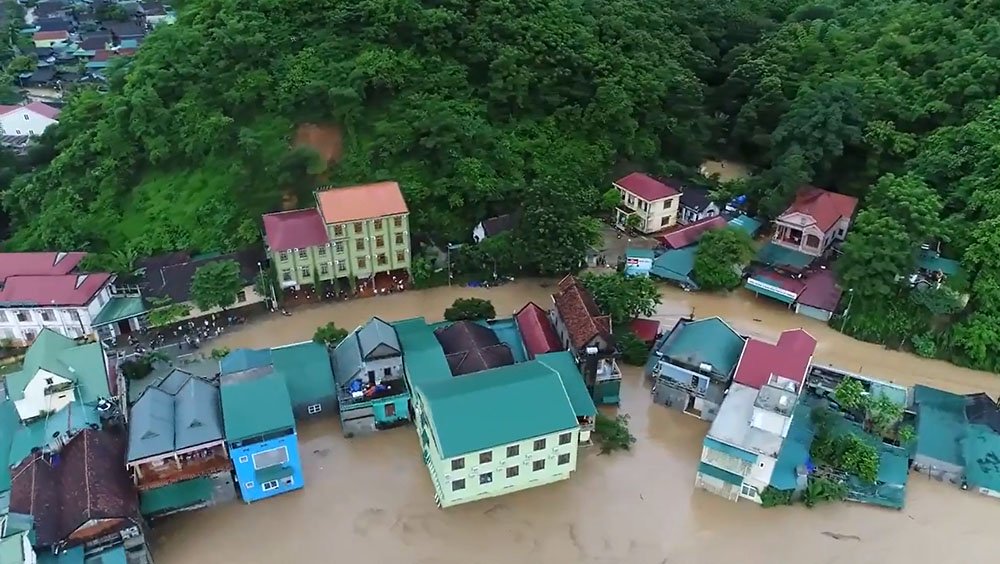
{"points": [[305, 368], [693, 365], [371, 389]]}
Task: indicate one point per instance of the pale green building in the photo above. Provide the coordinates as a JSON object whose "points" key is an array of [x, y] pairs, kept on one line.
{"points": [[353, 233]]}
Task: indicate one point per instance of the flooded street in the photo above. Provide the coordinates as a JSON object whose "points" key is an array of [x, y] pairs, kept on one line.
{"points": [[371, 497]]}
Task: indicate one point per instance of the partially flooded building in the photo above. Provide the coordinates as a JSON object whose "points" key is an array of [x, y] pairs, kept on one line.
{"points": [[586, 333]]}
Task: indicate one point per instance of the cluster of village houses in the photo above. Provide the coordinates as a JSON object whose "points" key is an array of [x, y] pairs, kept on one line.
{"points": [[189, 436]]}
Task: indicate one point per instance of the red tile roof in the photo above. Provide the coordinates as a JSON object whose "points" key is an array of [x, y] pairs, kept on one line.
{"points": [[580, 313], [296, 229], [47, 35], [645, 187], [789, 358], [687, 235], [36, 107], [645, 329], [38, 264], [63, 290], [787, 283], [537, 332], [361, 202], [821, 291], [824, 207]]}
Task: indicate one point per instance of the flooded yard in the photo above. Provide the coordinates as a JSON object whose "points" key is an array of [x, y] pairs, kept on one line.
{"points": [[371, 497]]}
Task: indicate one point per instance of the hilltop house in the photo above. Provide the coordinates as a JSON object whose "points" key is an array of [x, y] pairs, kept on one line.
{"points": [[693, 365], [587, 334], [815, 220], [493, 226], [176, 449], [654, 203], [368, 368], [30, 119], [742, 446], [496, 431], [83, 500], [696, 205], [260, 433], [56, 373], [353, 233]]}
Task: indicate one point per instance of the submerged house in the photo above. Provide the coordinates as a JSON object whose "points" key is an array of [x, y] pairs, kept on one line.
{"points": [[741, 449], [176, 448], [693, 366], [586, 333], [260, 433], [496, 431], [371, 390]]}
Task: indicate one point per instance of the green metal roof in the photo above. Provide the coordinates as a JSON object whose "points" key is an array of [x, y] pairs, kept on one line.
{"points": [[70, 556], [564, 365], [746, 223], [775, 255], [639, 253], [9, 423], [676, 265], [68, 421], [176, 496], [767, 292], [307, 372], [710, 340], [244, 359], [423, 357], [12, 549], [254, 403], [941, 424], [119, 308], [82, 364], [716, 472], [794, 449], [273, 473], [981, 451], [474, 412], [113, 555]]}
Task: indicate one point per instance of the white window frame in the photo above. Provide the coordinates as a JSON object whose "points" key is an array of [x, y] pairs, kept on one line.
{"points": [[282, 448], [314, 409], [749, 491], [269, 485], [248, 485], [560, 458], [244, 459]]}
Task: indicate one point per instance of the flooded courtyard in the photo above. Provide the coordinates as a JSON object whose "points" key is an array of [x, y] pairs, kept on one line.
{"points": [[371, 498]]}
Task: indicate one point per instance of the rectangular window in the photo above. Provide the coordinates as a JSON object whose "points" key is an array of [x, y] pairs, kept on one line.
{"points": [[23, 315], [268, 458], [269, 485], [29, 335], [486, 478], [324, 269], [244, 459], [458, 485], [379, 241], [359, 244], [390, 410], [314, 409], [362, 263], [341, 265], [282, 256], [749, 491], [399, 238], [668, 204], [305, 272], [397, 221], [248, 485], [378, 224], [339, 246], [241, 296], [382, 259], [513, 471], [457, 463], [338, 230], [286, 275], [538, 466], [321, 250], [664, 220], [48, 315], [565, 438], [486, 457], [74, 315], [513, 450], [563, 459], [539, 444], [400, 256], [359, 227], [303, 254]]}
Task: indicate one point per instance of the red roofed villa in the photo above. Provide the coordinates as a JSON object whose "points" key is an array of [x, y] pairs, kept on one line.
{"points": [[356, 233], [28, 119], [815, 220], [587, 334], [655, 204]]}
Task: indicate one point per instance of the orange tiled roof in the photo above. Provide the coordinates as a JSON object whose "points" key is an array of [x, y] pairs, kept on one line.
{"points": [[353, 203]]}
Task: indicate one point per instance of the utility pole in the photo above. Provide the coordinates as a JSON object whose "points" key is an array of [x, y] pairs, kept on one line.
{"points": [[847, 310]]}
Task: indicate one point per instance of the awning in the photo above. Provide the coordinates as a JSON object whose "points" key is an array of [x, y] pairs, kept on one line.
{"points": [[719, 473], [176, 496], [273, 473], [119, 308], [764, 289]]}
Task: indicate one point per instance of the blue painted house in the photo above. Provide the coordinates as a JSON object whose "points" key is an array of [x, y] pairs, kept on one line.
{"points": [[368, 370], [260, 433]]}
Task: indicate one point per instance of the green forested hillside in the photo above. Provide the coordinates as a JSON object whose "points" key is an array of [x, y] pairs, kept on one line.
{"points": [[477, 106]]}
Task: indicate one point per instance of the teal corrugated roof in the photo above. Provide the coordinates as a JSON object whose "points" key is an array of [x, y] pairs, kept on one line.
{"points": [[161, 422], [375, 334], [746, 223], [639, 253], [710, 340], [82, 364], [176, 496], [119, 308], [724, 448], [941, 424], [9, 423], [564, 365], [245, 359], [255, 402], [981, 451], [716, 472], [68, 421], [423, 357], [929, 260], [307, 372], [676, 265], [776, 255], [113, 555], [473, 412]]}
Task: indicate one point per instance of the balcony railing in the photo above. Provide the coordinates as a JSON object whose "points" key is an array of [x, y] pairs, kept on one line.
{"points": [[608, 370], [169, 473], [388, 388]]}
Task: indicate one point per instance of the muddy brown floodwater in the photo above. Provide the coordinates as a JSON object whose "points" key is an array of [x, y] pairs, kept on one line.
{"points": [[370, 498]]}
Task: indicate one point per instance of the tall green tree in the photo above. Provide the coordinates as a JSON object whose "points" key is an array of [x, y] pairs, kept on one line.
{"points": [[721, 257], [622, 297], [215, 285], [877, 252]]}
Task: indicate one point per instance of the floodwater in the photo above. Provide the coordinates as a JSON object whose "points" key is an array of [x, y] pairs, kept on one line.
{"points": [[371, 497]]}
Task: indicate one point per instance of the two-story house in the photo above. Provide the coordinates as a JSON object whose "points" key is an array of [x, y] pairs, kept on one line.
{"points": [[46, 291], [586, 333], [696, 205], [814, 221], [371, 388], [176, 449], [366, 232], [56, 373], [260, 433], [693, 365], [305, 368], [30, 119], [652, 203], [742, 446]]}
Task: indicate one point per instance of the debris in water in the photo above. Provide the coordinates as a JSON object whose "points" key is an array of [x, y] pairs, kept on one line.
{"points": [[837, 536]]}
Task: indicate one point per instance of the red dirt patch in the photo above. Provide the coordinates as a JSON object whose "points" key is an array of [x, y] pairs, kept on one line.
{"points": [[327, 140]]}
